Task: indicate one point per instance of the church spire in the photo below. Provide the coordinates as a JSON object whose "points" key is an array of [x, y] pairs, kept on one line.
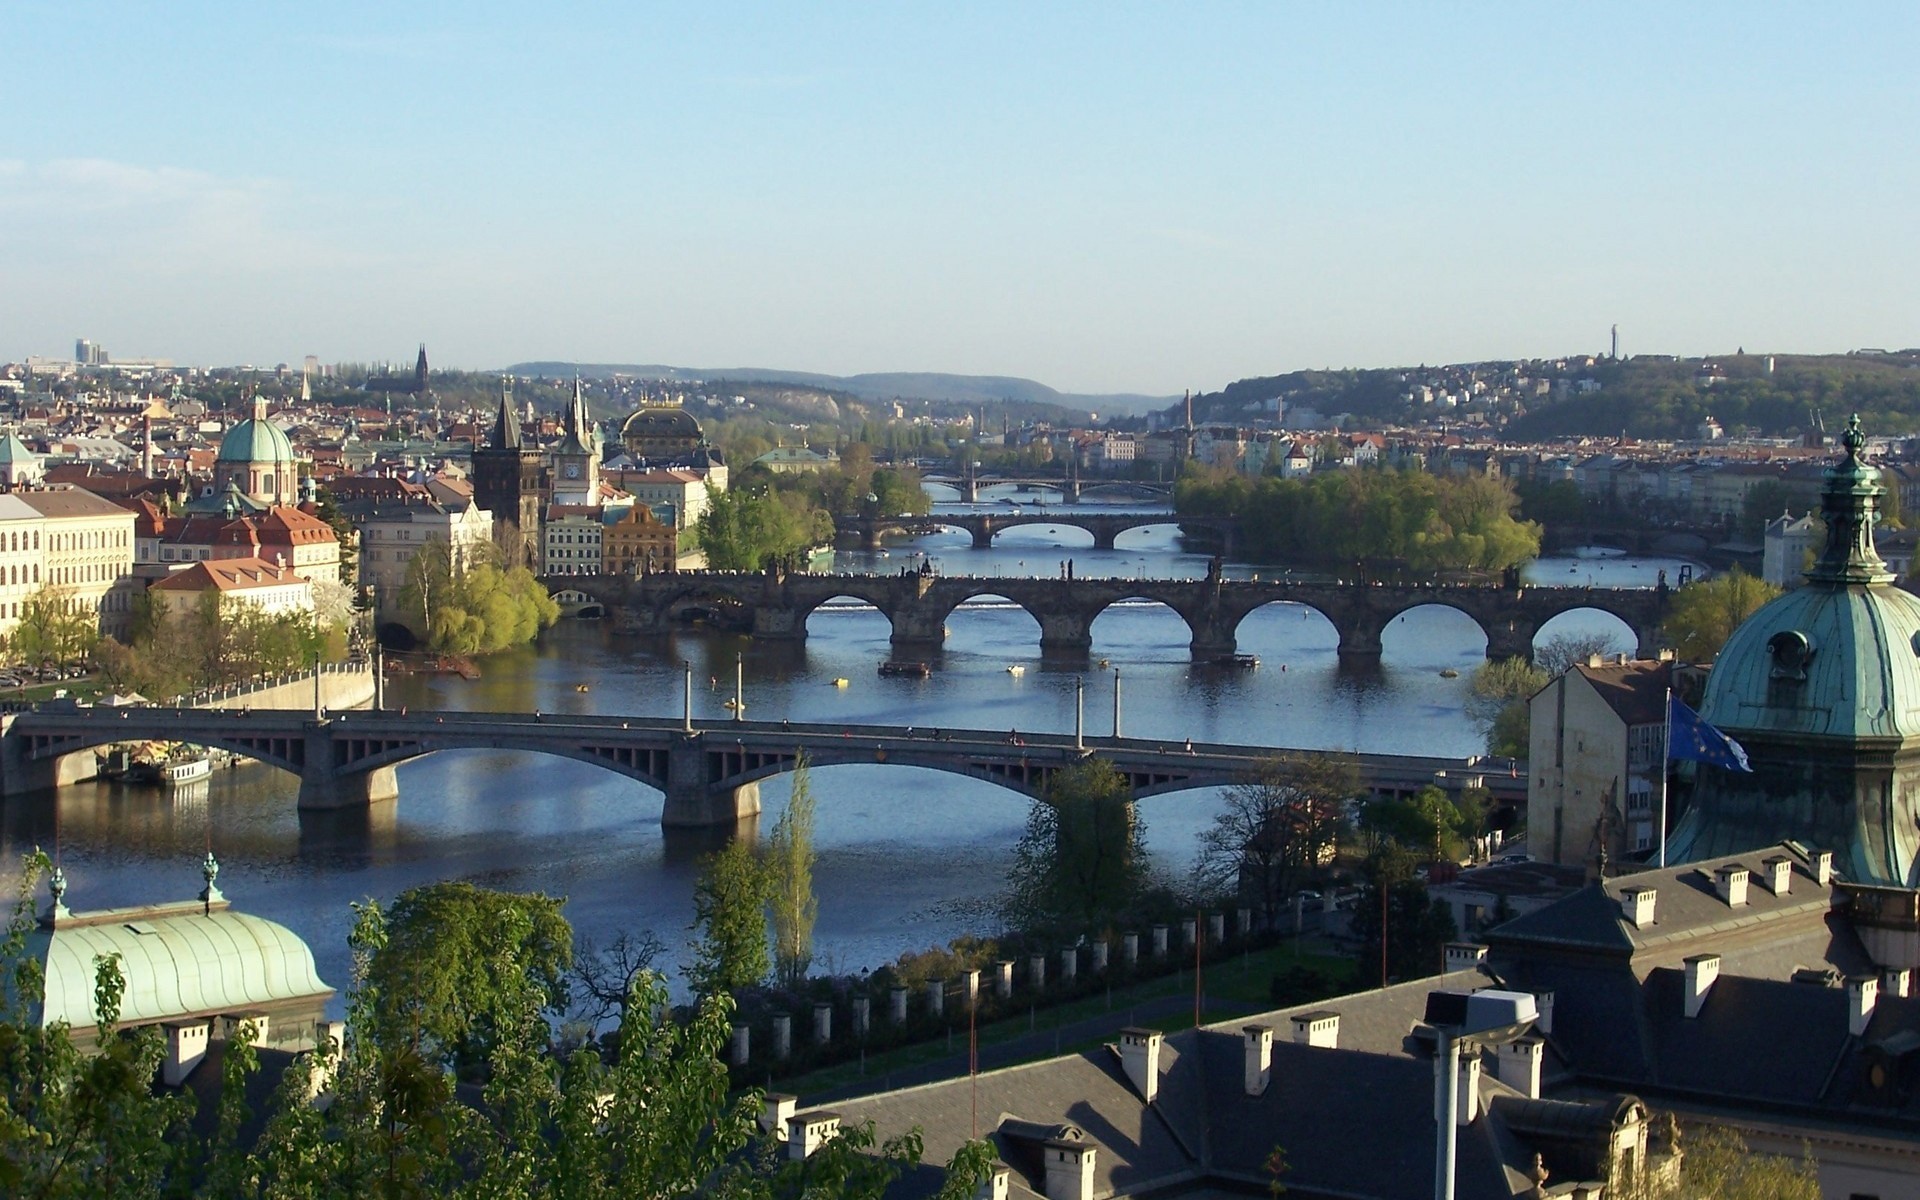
{"points": [[1848, 505], [506, 426]]}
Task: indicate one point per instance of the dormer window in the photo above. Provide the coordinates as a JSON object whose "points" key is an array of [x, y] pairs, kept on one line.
{"points": [[1790, 650]]}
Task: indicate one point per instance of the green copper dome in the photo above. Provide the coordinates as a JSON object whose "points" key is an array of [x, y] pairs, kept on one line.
{"points": [[256, 440], [1822, 687]]}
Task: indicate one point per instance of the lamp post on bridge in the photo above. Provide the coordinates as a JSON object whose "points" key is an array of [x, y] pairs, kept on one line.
{"points": [[1116, 704], [687, 666], [739, 687], [1079, 712]]}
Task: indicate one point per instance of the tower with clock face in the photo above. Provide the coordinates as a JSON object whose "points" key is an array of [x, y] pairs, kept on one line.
{"points": [[576, 456]]}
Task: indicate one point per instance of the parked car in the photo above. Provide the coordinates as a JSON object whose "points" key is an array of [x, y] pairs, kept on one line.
{"points": [[1516, 858]]}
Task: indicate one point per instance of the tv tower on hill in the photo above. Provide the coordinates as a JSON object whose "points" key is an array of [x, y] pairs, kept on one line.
{"points": [[1616, 343]]}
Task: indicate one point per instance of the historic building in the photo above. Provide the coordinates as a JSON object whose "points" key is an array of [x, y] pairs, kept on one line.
{"points": [[664, 433], [576, 456], [256, 466], [392, 533], [271, 588], [1822, 688], [636, 542], [76, 545], [507, 483], [1594, 754]]}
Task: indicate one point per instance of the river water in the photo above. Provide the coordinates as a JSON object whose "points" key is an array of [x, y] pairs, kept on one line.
{"points": [[906, 856]]}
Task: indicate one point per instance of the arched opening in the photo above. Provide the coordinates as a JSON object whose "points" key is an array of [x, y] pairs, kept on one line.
{"points": [[1162, 537], [1136, 630], [847, 624], [1036, 535], [994, 627], [1007, 494], [1285, 634], [1571, 636], [1434, 638], [940, 493]]}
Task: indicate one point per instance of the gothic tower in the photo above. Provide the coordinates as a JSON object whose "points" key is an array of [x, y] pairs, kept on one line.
{"points": [[506, 482]]}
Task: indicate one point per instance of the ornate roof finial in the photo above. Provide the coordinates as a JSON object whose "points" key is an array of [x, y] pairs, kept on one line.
{"points": [[1849, 502], [210, 871]]}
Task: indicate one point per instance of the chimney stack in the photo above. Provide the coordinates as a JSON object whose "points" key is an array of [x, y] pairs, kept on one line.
{"points": [[1070, 1169], [1321, 1028], [1897, 981], [1467, 1082], [994, 1186], [809, 1132], [186, 1049], [1779, 874], [1862, 994], [1731, 883], [1518, 1065], [1257, 1041], [776, 1109], [1822, 866], [1636, 905], [1701, 971], [1464, 956], [1140, 1058]]}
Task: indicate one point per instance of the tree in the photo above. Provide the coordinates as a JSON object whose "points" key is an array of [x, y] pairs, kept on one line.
{"points": [[466, 603], [749, 529], [1277, 828], [1570, 650], [54, 629], [1717, 1164], [1417, 928], [1082, 861], [1705, 614], [604, 975], [1497, 700], [729, 905], [790, 900], [457, 962]]}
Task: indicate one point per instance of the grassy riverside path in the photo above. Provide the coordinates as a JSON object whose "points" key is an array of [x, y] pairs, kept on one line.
{"points": [[1233, 988]]}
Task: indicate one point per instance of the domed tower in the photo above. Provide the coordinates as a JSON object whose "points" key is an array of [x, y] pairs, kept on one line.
{"points": [[257, 459], [1822, 688], [661, 433]]}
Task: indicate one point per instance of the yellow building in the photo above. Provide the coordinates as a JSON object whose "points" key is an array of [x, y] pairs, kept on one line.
{"points": [[72, 544], [638, 543]]}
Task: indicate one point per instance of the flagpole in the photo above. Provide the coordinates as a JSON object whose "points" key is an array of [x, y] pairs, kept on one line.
{"points": [[1666, 749]]}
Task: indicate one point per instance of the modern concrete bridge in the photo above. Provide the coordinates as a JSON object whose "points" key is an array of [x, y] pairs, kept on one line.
{"points": [[776, 605], [709, 771], [1104, 527]]}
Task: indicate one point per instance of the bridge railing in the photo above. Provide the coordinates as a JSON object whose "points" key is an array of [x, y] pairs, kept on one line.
{"points": [[257, 686]]}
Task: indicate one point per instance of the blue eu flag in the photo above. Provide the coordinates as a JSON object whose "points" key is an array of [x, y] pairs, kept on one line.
{"points": [[1692, 739]]}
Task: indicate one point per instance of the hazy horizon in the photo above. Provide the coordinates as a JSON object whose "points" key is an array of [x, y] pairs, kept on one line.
{"points": [[1105, 199]]}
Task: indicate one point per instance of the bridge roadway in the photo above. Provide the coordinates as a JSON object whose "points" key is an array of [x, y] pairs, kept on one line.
{"points": [[1071, 487], [710, 776], [776, 605], [1104, 526]]}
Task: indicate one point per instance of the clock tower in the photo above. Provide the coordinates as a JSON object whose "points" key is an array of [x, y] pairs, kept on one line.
{"points": [[576, 457]]}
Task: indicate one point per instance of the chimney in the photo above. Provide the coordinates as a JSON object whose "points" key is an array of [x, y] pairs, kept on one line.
{"points": [[810, 1131], [1702, 970], [232, 1025], [1543, 1002], [1070, 1167], [1518, 1065], [1140, 1058], [1731, 883], [1779, 874], [1862, 994], [1320, 1028], [1636, 905], [1897, 981], [994, 1186], [186, 1048], [776, 1109], [1822, 866], [1464, 956], [1257, 1041], [1466, 1080]]}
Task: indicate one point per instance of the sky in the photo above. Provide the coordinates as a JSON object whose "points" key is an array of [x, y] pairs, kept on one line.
{"points": [[1106, 197]]}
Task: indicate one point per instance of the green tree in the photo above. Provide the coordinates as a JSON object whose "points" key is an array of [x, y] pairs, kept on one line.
{"points": [[1497, 700], [748, 529], [1417, 928], [1082, 861], [1705, 614], [1717, 1164], [729, 905], [467, 604], [790, 900], [55, 629], [1277, 828]]}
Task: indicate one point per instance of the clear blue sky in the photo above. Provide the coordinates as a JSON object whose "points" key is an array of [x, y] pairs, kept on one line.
{"points": [[1106, 197]]}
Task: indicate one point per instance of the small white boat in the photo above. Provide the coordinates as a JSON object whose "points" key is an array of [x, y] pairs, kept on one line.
{"points": [[178, 771], [733, 705], [841, 682], [1016, 670]]}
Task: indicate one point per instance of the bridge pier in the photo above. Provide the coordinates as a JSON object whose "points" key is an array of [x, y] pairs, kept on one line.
{"points": [[983, 534], [1514, 641], [1065, 633], [322, 790], [20, 775], [693, 802], [778, 623], [1360, 645]]}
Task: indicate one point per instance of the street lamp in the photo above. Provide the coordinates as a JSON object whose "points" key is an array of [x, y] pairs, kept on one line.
{"points": [[1471, 1020]]}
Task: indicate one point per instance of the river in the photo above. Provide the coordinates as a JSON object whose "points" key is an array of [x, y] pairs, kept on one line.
{"points": [[906, 856]]}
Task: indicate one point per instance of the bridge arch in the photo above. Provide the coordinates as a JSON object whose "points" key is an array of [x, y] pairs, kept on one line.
{"points": [[850, 610], [1436, 634], [1584, 624], [1290, 628], [1171, 522], [985, 605], [1053, 524], [1140, 610]]}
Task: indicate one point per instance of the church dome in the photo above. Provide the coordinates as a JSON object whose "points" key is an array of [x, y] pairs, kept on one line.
{"points": [[255, 440], [661, 421]]}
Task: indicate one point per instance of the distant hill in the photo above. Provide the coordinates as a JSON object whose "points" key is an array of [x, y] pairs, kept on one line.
{"points": [[884, 385]]}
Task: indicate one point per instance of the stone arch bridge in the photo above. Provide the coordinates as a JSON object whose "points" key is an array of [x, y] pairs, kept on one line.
{"points": [[710, 772], [777, 605], [1104, 527]]}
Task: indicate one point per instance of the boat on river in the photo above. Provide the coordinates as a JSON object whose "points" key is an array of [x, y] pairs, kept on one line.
{"points": [[1016, 670], [902, 667], [177, 771], [1244, 662]]}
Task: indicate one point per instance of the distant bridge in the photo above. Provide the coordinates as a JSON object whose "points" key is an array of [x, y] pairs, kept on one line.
{"points": [[709, 771], [776, 606], [1070, 487], [1104, 526]]}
